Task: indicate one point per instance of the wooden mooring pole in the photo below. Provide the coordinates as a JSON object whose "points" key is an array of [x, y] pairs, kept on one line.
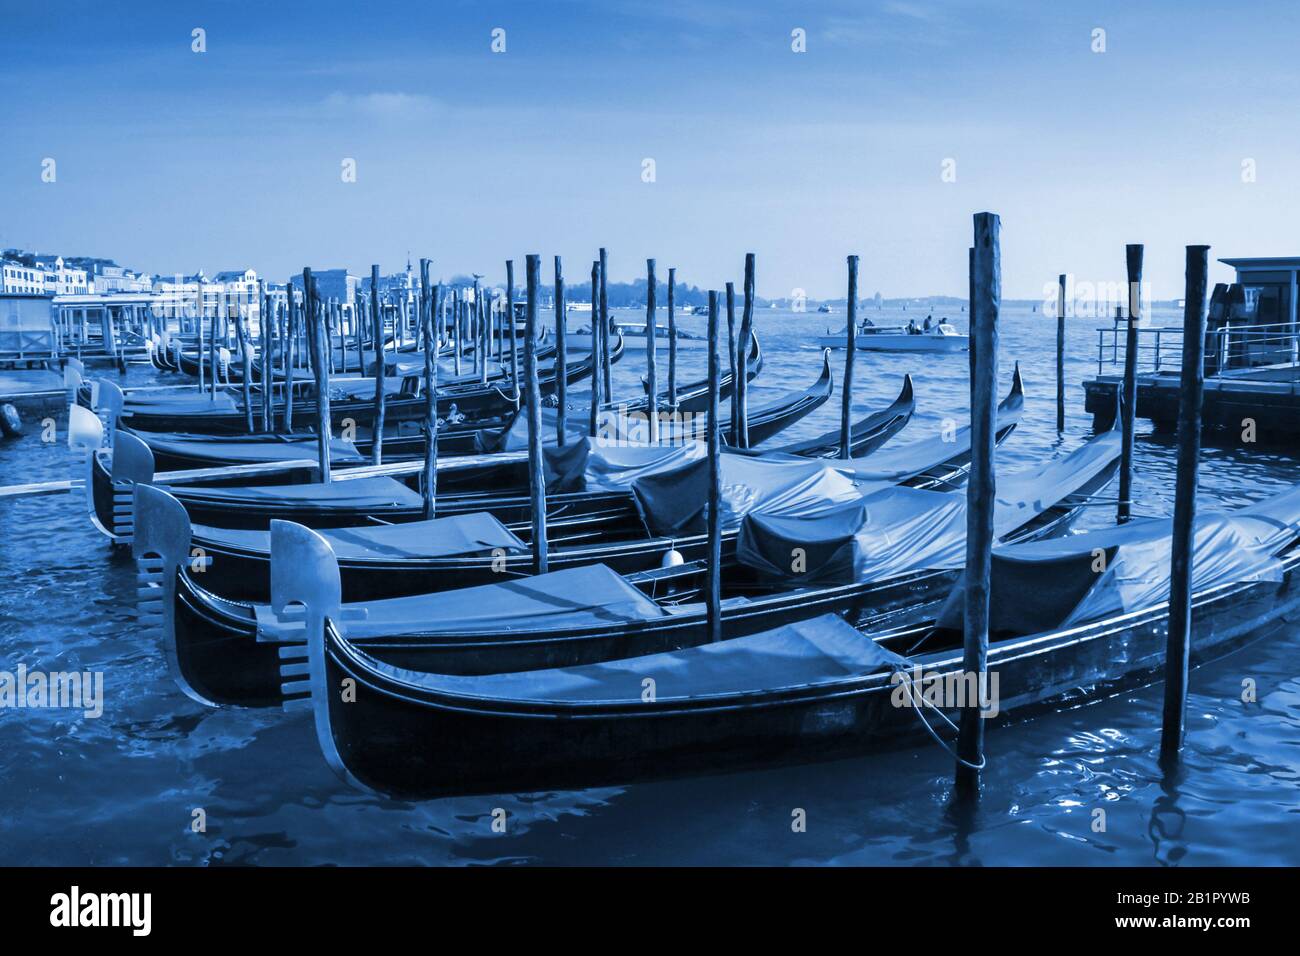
{"points": [[713, 586], [377, 427], [595, 346], [1128, 404], [672, 341], [850, 355], [536, 460], [651, 359], [607, 385], [514, 334], [246, 363], [561, 360], [290, 348], [428, 309], [741, 437], [986, 299], [1060, 355], [266, 331], [317, 344], [731, 356], [1178, 647]]}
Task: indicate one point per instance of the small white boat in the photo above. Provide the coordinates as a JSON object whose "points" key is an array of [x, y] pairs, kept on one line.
{"points": [[940, 338]]}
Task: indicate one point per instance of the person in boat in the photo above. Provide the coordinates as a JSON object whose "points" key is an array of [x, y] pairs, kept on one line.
{"points": [[866, 324], [911, 327], [944, 326], [926, 326]]}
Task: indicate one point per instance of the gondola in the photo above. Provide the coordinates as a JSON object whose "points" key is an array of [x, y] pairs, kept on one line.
{"points": [[226, 652], [402, 442], [355, 403], [812, 690]]}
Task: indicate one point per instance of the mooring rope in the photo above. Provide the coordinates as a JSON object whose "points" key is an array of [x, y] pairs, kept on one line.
{"points": [[907, 682]]}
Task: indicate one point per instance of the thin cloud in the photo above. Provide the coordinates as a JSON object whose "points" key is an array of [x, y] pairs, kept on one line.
{"points": [[383, 105]]}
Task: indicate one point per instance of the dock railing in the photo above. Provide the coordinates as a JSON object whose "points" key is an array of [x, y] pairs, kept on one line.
{"points": [[1227, 348]]}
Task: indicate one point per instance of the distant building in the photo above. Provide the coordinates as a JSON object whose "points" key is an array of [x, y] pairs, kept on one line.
{"points": [[61, 278], [19, 278], [337, 284]]}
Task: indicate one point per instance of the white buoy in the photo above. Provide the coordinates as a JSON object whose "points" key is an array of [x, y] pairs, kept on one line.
{"points": [[672, 559]]}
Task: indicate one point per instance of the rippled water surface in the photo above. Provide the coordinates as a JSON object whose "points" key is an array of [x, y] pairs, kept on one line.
{"points": [[123, 788]]}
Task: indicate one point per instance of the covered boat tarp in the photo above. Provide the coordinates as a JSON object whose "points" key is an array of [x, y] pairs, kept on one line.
{"points": [[565, 465], [1061, 583], [672, 503], [896, 530], [560, 600], [816, 651], [178, 404], [359, 493], [248, 450], [618, 467], [455, 536]]}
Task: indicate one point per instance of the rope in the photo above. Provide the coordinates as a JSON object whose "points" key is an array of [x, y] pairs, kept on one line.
{"points": [[918, 708]]}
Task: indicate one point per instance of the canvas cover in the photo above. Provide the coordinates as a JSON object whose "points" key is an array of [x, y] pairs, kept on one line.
{"points": [[561, 600], [244, 451], [1062, 583], [358, 493], [178, 403], [455, 536], [821, 650], [672, 502], [895, 530]]}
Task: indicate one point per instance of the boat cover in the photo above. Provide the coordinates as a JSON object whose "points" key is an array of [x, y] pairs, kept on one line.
{"points": [[243, 451], [179, 404], [361, 494], [672, 502], [896, 530], [561, 600], [820, 650], [455, 536], [1046, 585]]}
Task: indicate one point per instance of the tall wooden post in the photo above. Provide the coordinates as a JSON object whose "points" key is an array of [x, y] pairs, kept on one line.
{"points": [[482, 342], [741, 436], [428, 307], [459, 320], [607, 384], [1128, 407], [202, 353], [850, 356], [290, 339], [672, 341], [514, 334], [317, 344], [536, 461], [266, 332], [713, 586], [651, 359], [986, 301], [561, 358], [731, 351], [381, 399], [595, 346], [1060, 356], [246, 363], [1191, 391], [213, 356]]}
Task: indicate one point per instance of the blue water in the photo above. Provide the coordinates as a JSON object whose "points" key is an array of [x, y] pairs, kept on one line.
{"points": [[123, 788]]}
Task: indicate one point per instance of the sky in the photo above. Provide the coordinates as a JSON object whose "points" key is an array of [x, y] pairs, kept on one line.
{"points": [[898, 122]]}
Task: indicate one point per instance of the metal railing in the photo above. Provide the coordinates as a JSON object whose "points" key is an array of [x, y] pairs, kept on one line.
{"points": [[1227, 348]]}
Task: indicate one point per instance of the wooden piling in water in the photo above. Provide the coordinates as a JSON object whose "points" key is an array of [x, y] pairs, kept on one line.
{"points": [[741, 434], [317, 344], [214, 358], [561, 362], [595, 347], [514, 334], [246, 364], [672, 341], [290, 338], [536, 460], [1060, 355], [713, 563], [981, 493], [1178, 647], [607, 383], [202, 348], [651, 359], [731, 354], [266, 331], [428, 306], [381, 399], [850, 356], [1128, 404]]}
